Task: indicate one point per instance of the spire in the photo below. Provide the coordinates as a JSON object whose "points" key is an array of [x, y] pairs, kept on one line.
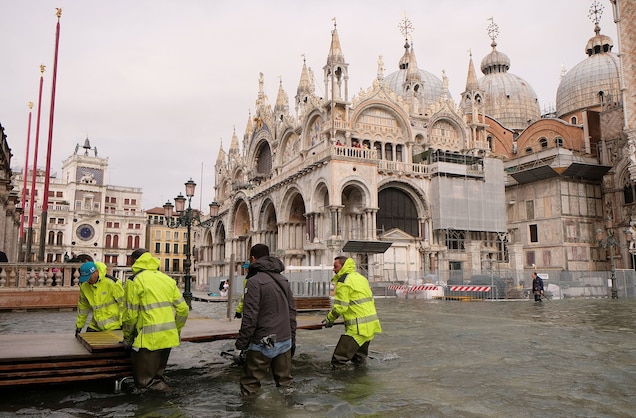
{"points": [[282, 101], [471, 80], [335, 51], [249, 129], [471, 97], [304, 86], [336, 71], [305, 89], [248, 126], [220, 159], [412, 72], [234, 145]]}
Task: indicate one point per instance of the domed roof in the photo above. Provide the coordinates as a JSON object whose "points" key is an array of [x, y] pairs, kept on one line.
{"points": [[593, 80], [508, 98], [495, 62], [432, 85], [409, 72]]}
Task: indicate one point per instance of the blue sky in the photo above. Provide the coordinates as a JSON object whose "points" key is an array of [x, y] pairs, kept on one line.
{"points": [[157, 85]]}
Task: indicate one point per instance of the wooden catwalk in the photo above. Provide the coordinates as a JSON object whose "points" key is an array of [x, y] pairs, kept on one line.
{"points": [[56, 358]]}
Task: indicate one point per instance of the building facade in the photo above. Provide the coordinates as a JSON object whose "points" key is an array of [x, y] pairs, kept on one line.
{"points": [[9, 210], [86, 217], [454, 190], [167, 244]]}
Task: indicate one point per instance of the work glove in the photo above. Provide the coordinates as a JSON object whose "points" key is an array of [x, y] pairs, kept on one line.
{"points": [[239, 357], [238, 315], [293, 350], [327, 324], [128, 345], [77, 332]]}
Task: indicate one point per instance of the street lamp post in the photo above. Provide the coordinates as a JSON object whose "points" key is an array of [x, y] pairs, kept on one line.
{"points": [[188, 218], [610, 242], [184, 218]]}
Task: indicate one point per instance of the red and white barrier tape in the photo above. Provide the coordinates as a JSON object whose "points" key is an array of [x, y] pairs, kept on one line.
{"points": [[418, 288], [469, 288]]}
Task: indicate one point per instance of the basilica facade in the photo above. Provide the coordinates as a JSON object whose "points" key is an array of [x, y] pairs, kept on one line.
{"points": [[414, 185]]}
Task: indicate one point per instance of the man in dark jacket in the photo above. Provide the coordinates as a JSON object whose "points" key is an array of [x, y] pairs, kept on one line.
{"points": [[537, 286], [268, 327]]}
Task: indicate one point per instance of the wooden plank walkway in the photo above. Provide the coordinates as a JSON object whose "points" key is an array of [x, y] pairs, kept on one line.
{"points": [[53, 358], [56, 358]]}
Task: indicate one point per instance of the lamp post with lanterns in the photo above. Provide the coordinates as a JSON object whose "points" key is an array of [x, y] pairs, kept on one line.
{"points": [[188, 218]]}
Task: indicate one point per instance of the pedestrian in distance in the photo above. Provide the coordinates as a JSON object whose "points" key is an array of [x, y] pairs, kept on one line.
{"points": [[100, 294], [155, 312], [267, 338], [537, 286], [353, 300]]}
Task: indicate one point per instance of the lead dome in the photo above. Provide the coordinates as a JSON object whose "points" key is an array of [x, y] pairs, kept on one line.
{"points": [[509, 99], [592, 82], [409, 72]]}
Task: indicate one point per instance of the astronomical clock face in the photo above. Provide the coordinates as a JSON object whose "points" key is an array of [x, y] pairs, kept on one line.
{"points": [[85, 232]]}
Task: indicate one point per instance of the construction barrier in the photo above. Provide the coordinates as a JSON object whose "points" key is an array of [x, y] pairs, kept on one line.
{"points": [[455, 292], [417, 288], [469, 288]]}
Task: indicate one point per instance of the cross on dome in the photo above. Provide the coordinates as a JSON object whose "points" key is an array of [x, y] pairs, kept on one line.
{"points": [[493, 30], [406, 27], [596, 11]]}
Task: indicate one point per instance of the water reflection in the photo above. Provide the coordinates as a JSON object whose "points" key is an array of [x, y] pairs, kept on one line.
{"points": [[466, 359]]}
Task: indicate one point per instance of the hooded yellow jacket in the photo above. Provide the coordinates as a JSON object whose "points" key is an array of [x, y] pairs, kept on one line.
{"points": [[154, 310], [353, 300], [105, 299]]}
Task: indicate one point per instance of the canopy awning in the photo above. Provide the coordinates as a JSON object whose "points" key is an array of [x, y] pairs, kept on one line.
{"points": [[366, 247]]}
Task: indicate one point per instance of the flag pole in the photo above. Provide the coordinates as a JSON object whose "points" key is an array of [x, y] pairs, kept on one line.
{"points": [[47, 172], [25, 174], [29, 241]]}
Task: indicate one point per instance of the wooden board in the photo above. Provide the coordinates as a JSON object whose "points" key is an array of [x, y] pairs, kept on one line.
{"points": [[55, 358], [100, 341], [27, 359]]}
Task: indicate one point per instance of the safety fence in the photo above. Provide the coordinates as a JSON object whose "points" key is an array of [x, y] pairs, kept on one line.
{"points": [[431, 291], [303, 283]]}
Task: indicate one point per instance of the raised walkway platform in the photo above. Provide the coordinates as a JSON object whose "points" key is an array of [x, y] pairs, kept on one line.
{"points": [[27, 359]]}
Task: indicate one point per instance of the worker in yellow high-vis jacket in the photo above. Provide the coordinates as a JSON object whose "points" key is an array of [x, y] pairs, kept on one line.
{"points": [[101, 295], [155, 312], [353, 300]]}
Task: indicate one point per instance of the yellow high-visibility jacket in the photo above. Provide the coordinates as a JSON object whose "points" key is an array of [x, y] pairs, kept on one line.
{"points": [[239, 306], [154, 310], [353, 300], [105, 299]]}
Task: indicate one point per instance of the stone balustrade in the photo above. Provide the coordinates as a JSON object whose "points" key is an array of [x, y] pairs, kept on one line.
{"points": [[21, 276]]}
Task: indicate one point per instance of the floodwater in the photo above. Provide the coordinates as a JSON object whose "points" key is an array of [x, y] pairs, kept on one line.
{"points": [[559, 358]]}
